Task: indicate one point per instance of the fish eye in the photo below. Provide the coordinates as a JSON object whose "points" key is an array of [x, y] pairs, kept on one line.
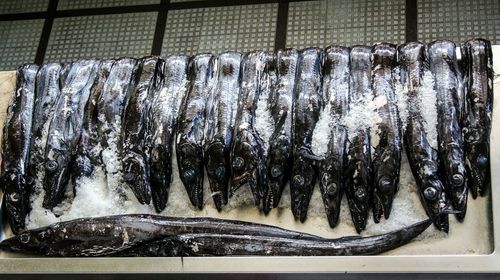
{"points": [[360, 194], [430, 193], [276, 171], [298, 180], [482, 161], [331, 189], [159, 177], [24, 238], [30, 180], [238, 163], [457, 180], [189, 174], [220, 172], [385, 184], [128, 177], [51, 165]]}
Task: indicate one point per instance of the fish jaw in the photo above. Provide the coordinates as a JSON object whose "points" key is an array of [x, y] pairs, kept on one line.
{"points": [[478, 168], [56, 178], [435, 202], [301, 186], [217, 163], [278, 172], [458, 196], [161, 176], [190, 162], [386, 184], [136, 176], [331, 188], [16, 204]]}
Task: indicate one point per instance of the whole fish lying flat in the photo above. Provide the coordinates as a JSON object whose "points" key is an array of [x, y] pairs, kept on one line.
{"points": [[479, 108], [308, 96], [191, 124], [279, 155], [386, 132], [422, 156], [65, 129], [164, 108], [444, 67], [136, 128], [220, 119], [332, 166], [16, 147]]}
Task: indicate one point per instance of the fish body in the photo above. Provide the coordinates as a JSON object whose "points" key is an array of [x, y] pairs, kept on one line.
{"points": [[191, 124], [479, 107], [386, 132], [220, 119], [308, 96], [164, 108], [422, 156], [444, 67], [16, 147]]}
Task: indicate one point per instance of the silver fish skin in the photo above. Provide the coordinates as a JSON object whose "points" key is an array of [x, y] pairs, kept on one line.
{"points": [[423, 158], [136, 128], [191, 125], [220, 119], [332, 165], [247, 154], [65, 129], [385, 136], [358, 175], [444, 68], [16, 147], [279, 158], [308, 96], [478, 58], [164, 109]]}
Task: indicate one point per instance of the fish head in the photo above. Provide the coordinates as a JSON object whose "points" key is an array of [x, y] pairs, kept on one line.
{"points": [[435, 202], [301, 185], [136, 175], [218, 173], [478, 166], [278, 171], [38, 241], [161, 175], [386, 185], [190, 164], [331, 187], [56, 177], [458, 192]]}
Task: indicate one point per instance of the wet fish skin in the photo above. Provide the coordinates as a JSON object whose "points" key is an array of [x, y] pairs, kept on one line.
{"points": [[423, 158], [220, 119], [478, 58], [386, 156], [308, 103], [16, 147], [444, 67], [136, 138], [65, 129], [279, 155], [191, 123], [165, 105]]}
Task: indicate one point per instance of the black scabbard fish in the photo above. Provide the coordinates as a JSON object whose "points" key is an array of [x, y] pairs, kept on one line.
{"points": [[247, 161], [444, 68], [359, 185], [164, 108], [279, 159], [220, 119], [16, 148], [334, 157], [386, 130], [308, 96], [136, 129], [479, 107], [422, 156], [65, 129], [191, 125]]}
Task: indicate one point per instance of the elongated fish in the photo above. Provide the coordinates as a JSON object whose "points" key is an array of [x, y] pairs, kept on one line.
{"points": [[479, 108], [136, 133], [16, 147], [279, 155], [386, 132], [444, 68], [65, 129], [191, 124], [308, 96], [164, 108], [422, 156], [334, 161], [359, 185], [220, 118], [247, 162]]}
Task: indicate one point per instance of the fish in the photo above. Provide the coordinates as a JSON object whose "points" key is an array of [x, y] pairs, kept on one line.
{"points": [[422, 156], [385, 135], [358, 171], [279, 155], [332, 165], [444, 68], [216, 244], [220, 119], [16, 148], [88, 150], [247, 154], [136, 127], [164, 108], [101, 236], [308, 96], [191, 124], [478, 58], [65, 129]]}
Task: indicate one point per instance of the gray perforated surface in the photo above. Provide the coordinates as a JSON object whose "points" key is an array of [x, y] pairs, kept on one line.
{"points": [[22, 6], [18, 42], [102, 36], [81, 4], [239, 28]]}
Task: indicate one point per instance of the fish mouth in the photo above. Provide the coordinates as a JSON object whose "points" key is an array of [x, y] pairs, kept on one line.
{"points": [[478, 178], [248, 178], [383, 197], [57, 180], [359, 213], [135, 175], [218, 173], [459, 201]]}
